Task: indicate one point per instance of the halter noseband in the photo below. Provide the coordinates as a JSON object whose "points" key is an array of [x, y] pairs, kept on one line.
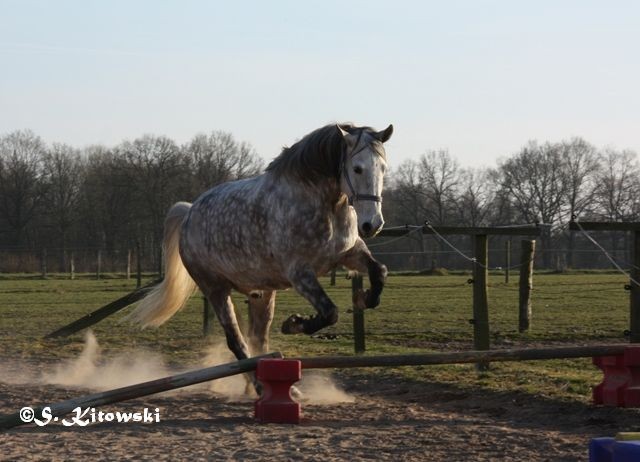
{"points": [[343, 169]]}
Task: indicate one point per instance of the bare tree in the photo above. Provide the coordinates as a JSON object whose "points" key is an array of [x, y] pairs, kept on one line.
{"points": [[501, 210], [63, 171], [21, 189], [617, 189], [617, 185], [106, 200], [534, 182], [160, 175], [409, 205], [475, 197], [218, 158], [580, 167], [439, 175]]}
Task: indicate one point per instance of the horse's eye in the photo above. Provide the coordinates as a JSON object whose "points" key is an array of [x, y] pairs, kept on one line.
{"points": [[357, 169]]}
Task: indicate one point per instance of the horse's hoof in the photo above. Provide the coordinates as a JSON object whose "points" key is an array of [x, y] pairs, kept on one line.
{"points": [[295, 392], [371, 301], [293, 325]]}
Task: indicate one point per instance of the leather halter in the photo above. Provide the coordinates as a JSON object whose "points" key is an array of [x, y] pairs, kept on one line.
{"points": [[343, 169]]}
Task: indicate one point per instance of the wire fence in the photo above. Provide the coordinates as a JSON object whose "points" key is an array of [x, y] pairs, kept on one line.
{"points": [[93, 260], [79, 260], [548, 259]]}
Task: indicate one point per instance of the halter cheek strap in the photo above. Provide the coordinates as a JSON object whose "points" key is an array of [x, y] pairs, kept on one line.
{"points": [[354, 196]]}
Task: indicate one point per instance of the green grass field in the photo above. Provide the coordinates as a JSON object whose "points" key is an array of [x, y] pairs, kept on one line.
{"points": [[417, 314]]}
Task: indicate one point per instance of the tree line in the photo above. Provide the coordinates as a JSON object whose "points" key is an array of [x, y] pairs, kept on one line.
{"points": [[59, 197], [544, 183]]}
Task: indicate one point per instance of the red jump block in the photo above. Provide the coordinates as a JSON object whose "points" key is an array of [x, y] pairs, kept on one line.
{"points": [[632, 390], [620, 385], [276, 405], [610, 391]]}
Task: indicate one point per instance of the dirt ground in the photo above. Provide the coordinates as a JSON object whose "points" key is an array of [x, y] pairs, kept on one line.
{"points": [[389, 420]]}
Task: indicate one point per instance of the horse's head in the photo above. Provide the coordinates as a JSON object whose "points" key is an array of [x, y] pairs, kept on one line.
{"points": [[362, 170]]}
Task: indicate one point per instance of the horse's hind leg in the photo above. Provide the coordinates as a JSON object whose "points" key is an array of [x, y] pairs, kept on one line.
{"points": [[261, 307], [220, 300]]}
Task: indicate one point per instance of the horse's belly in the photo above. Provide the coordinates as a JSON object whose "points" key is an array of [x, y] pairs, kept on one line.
{"points": [[248, 271]]}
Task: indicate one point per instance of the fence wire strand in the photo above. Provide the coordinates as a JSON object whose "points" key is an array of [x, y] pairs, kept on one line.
{"points": [[609, 257], [473, 260]]}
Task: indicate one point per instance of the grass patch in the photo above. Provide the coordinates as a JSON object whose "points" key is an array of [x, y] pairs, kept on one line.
{"points": [[418, 313]]}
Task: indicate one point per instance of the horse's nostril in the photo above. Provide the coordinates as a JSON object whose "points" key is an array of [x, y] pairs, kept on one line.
{"points": [[366, 227]]}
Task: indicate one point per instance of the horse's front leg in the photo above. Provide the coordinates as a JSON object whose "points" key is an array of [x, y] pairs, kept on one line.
{"points": [[304, 281], [359, 259]]}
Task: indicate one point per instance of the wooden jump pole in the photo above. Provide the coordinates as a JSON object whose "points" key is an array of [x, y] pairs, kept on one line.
{"points": [[460, 357], [101, 313], [328, 362], [143, 389]]}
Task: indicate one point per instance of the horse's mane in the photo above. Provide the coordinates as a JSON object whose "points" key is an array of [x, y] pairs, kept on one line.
{"points": [[316, 156]]}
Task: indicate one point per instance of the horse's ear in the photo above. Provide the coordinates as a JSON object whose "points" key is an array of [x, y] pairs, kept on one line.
{"points": [[343, 130], [385, 134]]}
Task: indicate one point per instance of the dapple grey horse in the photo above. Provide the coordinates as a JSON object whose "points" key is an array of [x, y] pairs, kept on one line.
{"points": [[303, 216]]}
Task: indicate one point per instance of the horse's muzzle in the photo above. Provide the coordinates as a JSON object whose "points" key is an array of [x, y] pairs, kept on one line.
{"points": [[368, 230]]}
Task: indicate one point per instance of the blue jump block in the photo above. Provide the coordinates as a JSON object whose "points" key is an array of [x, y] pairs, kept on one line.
{"points": [[601, 449], [626, 451], [610, 450]]}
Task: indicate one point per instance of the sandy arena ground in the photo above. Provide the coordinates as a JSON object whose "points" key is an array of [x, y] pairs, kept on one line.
{"points": [[389, 420]]}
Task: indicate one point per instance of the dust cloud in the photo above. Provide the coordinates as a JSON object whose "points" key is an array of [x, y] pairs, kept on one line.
{"points": [[90, 370]]}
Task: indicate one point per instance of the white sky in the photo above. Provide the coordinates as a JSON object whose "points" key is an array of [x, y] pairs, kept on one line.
{"points": [[477, 77]]}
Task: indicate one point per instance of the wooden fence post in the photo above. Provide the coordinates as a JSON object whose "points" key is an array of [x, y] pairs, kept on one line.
{"points": [[99, 264], [526, 284], [358, 315], [333, 277], [72, 267], [208, 317], [43, 263], [507, 261], [138, 266], [480, 297], [128, 264]]}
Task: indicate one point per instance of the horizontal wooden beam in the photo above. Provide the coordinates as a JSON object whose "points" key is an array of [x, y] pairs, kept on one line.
{"points": [[605, 226], [456, 357], [141, 389], [465, 230]]}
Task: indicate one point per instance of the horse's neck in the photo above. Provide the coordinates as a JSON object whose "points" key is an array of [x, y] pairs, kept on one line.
{"points": [[325, 193]]}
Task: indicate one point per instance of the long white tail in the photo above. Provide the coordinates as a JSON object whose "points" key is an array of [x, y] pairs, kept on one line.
{"points": [[172, 293]]}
